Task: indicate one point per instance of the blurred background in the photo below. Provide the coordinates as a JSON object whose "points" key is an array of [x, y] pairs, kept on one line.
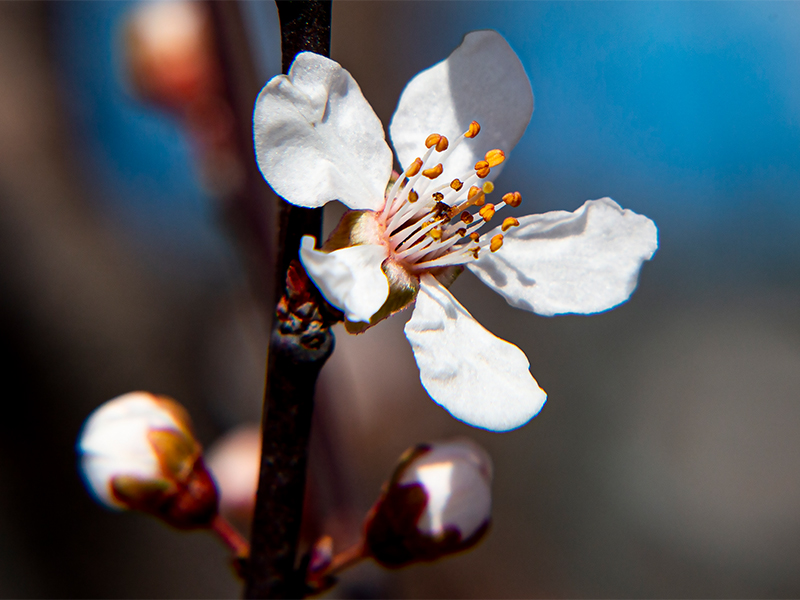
{"points": [[135, 253]]}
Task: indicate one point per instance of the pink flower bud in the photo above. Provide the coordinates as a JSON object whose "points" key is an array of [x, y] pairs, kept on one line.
{"points": [[437, 502], [138, 452]]}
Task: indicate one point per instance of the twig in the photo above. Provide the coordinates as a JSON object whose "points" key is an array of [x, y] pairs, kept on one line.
{"points": [[300, 343]]}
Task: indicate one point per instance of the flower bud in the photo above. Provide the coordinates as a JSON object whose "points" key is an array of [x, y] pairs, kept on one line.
{"points": [[437, 502], [138, 452]]}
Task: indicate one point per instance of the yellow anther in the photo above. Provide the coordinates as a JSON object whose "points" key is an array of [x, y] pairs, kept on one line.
{"points": [[438, 196], [414, 168], [495, 157], [488, 187], [432, 140], [513, 199], [475, 236], [461, 232], [433, 172], [456, 184], [466, 217], [473, 191], [413, 196], [442, 144], [436, 233], [474, 129], [496, 243], [487, 212], [508, 223]]}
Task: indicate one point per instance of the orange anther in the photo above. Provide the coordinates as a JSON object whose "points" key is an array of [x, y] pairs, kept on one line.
{"points": [[467, 217], [433, 172], [487, 212], [473, 191], [438, 196], [474, 129], [495, 157], [496, 243], [442, 144], [508, 223], [413, 196], [414, 168], [474, 252], [461, 232], [436, 233], [432, 140], [513, 199], [456, 184], [475, 236], [482, 168]]}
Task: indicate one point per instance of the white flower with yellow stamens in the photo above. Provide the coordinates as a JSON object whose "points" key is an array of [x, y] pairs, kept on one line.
{"points": [[317, 139]]}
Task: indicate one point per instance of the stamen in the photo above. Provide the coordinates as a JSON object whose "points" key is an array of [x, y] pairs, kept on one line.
{"points": [[496, 243], [467, 217], [475, 236], [487, 187], [437, 196], [482, 168], [513, 199], [487, 212], [473, 191], [461, 232], [495, 157], [414, 168], [436, 233], [432, 140], [456, 185], [508, 223], [474, 129], [433, 172], [413, 196], [442, 144]]}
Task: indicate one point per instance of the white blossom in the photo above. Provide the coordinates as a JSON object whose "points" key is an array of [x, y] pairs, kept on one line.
{"points": [[317, 140]]}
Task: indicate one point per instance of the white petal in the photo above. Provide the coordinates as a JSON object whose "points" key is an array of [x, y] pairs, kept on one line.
{"points": [[477, 377], [482, 80], [351, 278], [582, 262], [317, 139]]}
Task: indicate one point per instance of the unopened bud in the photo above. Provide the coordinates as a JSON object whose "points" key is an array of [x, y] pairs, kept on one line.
{"points": [[138, 452], [437, 502]]}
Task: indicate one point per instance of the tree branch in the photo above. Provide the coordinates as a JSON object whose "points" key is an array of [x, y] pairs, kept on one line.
{"points": [[300, 343]]}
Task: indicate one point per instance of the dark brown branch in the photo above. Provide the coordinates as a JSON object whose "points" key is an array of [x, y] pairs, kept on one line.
{"points": [[300, 343]]}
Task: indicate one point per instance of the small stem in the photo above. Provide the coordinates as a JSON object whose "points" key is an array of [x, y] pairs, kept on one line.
{"points": [[231, 537], [346, 559]]}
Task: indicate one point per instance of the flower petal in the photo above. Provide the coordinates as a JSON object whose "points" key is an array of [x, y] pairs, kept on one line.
{"points": [[351, 278], [317, 139], [482, 80], [479, 378], [582, 262]]}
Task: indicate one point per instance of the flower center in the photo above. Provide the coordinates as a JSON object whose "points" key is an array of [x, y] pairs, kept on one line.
{"points": [[431, 223]]}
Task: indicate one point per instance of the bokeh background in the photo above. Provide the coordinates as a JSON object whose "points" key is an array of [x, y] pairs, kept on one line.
{"points": [[666, 460]]}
